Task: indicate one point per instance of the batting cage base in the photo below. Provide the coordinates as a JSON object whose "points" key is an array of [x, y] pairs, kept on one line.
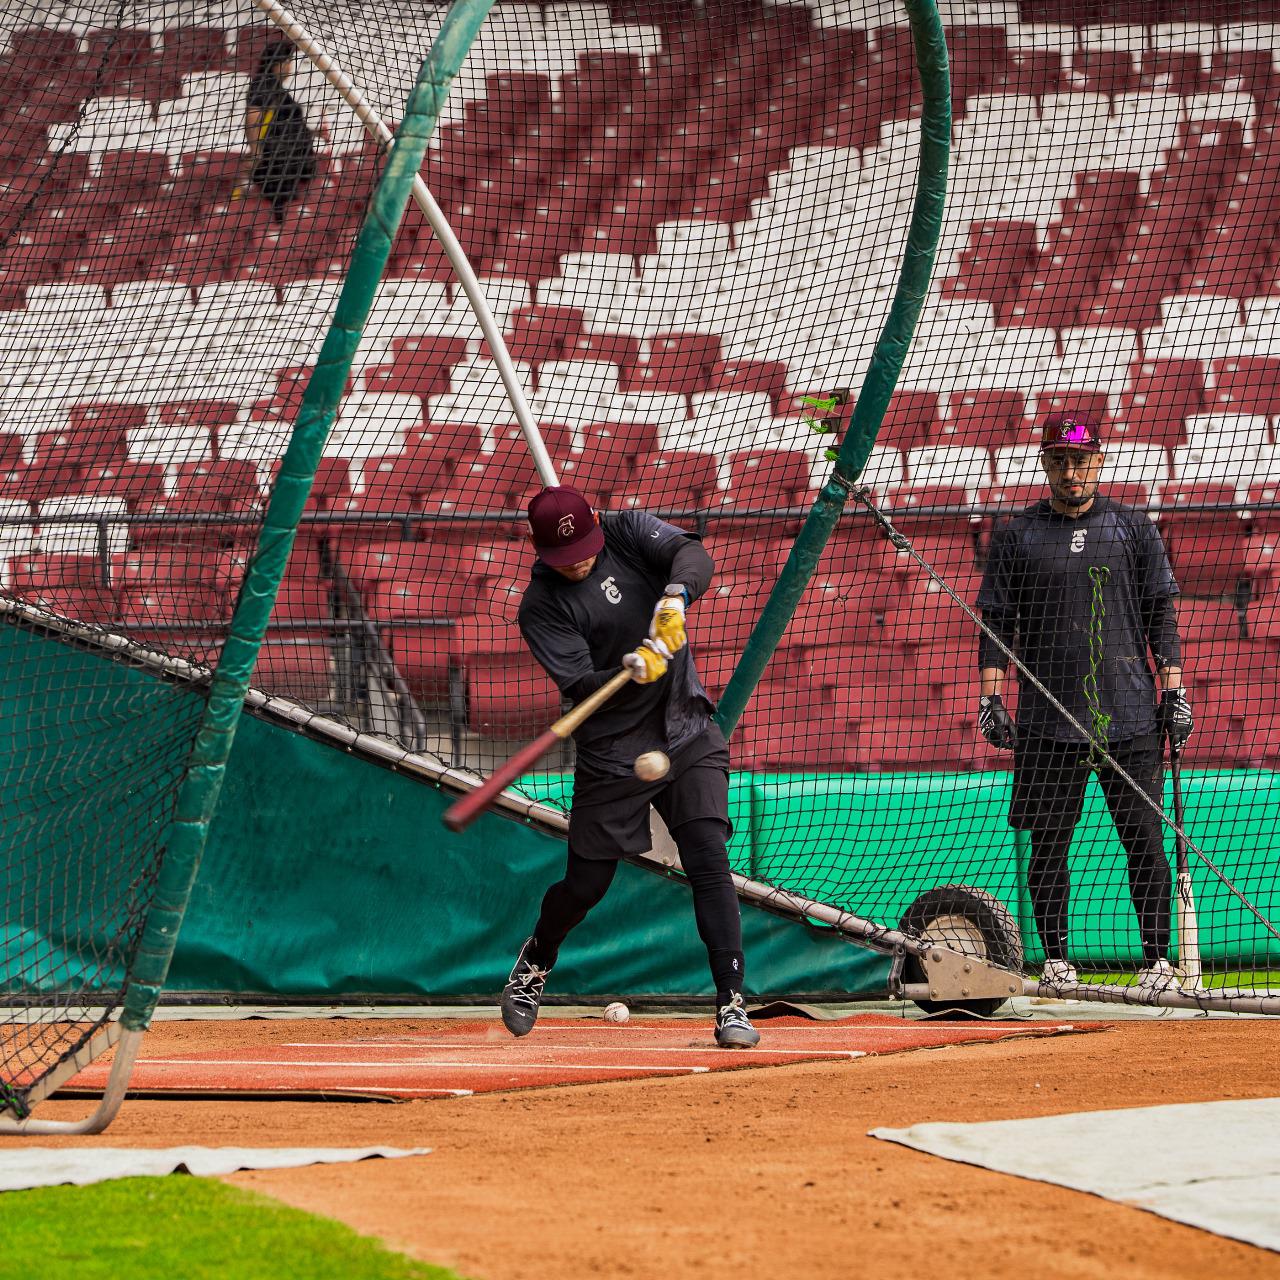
{"points": [[127, 1046]]}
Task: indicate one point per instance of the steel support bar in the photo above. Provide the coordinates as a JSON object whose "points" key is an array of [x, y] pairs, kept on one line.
{"points": [[351, 94]]}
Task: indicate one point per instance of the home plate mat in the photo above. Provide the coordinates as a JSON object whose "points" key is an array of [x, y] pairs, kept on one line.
{"points": [[456, 1058]]}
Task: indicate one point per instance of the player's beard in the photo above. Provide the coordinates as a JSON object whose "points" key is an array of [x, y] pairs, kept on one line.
{"points": [[1088, 491]]}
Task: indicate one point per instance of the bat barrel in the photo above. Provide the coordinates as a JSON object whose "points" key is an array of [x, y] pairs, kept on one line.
{"points": [[462, 813]]}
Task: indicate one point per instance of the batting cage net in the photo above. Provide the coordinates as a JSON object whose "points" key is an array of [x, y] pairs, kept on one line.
{"points": [[665, 239]]}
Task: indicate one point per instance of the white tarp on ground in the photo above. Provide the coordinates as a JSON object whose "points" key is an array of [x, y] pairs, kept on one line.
{"points": [[27, 1167], [1214, 1165]]}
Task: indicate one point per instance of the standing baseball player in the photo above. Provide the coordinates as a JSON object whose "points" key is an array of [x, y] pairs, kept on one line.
{"points": [[1081, 588], [606, 593]]}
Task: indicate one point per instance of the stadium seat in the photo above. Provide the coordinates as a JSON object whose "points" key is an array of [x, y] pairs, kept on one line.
{"points": [[74, 585], [1208, 548], [175, 617], [928, 610], [779, 733], [229, 485], [454, 444], [477, 507], [1207, 620], [724, 615], [751, 376], [1160, 394], [961, 466], [911, 419], [1246, 385], [939, 522], [988, 417], [295, 665], [676, 481], [509, 696], [420, 366], [675, 364], [634, 442]]}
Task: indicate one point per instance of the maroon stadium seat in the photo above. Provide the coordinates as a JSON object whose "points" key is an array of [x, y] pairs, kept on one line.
{"points": [[1208, 549]]}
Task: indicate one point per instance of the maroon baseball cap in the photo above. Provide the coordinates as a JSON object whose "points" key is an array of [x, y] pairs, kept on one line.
{"points": [[563, 526], [1071, 431]]}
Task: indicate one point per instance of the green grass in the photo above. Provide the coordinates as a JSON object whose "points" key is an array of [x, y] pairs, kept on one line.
{"points": [[1262, 982], [182, 1228]]}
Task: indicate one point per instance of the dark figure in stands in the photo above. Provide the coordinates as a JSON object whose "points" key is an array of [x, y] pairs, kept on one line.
{"points": [[281, 151]]}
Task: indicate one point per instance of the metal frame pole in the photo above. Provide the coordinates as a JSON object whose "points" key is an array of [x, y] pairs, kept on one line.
{"points": [[327, 65]]}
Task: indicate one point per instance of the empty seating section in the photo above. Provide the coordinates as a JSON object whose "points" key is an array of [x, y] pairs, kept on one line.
{"points": [[651, 223]]}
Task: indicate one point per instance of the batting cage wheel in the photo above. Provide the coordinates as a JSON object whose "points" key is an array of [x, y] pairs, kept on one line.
{"points": [[967, 920]]}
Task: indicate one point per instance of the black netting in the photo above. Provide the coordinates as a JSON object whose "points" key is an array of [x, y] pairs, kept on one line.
{"points": [[688, 223]]}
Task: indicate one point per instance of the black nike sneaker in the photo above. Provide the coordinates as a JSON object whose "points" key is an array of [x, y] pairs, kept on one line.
{"points": [[522, 996], [733, 1027]]}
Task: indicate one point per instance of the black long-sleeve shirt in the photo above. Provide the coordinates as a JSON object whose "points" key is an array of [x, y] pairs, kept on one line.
{"points": [[579, 632], [1037, 596]]}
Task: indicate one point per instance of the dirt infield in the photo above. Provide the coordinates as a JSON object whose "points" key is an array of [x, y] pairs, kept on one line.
{"points": [[763, 1173]]}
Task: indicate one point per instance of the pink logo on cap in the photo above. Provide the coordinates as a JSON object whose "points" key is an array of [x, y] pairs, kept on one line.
{"points": [[1071, 431]]}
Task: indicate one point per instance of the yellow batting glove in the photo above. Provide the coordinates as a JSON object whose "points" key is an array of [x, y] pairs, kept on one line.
{"points": [[648, 662], [667, 625]]}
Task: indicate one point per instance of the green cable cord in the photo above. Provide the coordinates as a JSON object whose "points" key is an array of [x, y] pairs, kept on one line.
{"points": [[1099, 723]]}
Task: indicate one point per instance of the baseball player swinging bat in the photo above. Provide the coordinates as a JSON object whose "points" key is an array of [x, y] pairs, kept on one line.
{"points": [[462, 813], [1188, 929]]}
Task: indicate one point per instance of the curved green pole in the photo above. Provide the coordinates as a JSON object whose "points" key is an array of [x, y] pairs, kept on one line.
{"points": [[198, 797], [882, 374]]}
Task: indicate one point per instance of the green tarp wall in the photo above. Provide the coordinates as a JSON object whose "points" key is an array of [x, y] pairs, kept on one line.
{"points": [[327, 875]]}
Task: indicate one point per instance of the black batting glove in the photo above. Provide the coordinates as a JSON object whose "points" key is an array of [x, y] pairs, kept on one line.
{"points": [[995, 723], [1175, 718]]}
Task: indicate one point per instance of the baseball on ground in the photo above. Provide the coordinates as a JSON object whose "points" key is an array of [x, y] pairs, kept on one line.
{"points": [[616, 1012]]}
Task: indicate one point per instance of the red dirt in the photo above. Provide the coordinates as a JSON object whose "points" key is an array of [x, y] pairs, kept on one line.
{"points": [[765, 1173], [480, 1057]]}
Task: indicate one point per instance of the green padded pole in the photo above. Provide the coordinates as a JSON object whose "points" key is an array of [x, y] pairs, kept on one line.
{"points": [[882, 374], [198, 796]]}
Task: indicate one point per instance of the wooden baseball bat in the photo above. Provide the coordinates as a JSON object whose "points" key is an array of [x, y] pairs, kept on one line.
{"points": [[462, 813], [1188, 927]]}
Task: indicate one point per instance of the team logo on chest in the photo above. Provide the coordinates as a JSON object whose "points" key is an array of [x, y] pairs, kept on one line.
{"points": [[611, 592], [1077, 540]]}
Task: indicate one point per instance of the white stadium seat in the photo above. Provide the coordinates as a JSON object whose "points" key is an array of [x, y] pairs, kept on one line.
{"points": [[959, 465], [106, 525]]}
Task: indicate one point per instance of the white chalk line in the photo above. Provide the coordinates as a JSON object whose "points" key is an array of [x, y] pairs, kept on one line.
{"points": [[770, 1050]]}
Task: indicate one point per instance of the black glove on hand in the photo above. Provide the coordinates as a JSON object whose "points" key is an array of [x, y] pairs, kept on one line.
{"points": [[995, 723], [1175, 718]]}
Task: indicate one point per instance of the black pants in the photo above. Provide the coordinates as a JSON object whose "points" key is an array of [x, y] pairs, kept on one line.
{"points": [[1049, 780], [701, 842]]}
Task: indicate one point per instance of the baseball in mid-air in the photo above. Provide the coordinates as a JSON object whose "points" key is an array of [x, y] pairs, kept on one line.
{"points": [[616, 1012], [651, 765]]}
